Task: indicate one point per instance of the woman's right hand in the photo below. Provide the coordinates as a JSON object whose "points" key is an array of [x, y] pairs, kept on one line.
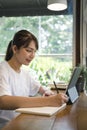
{"points": [[59, 99]]}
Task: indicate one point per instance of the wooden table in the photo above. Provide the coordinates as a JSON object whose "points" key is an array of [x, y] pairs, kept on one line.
{"points": [[73, 117]]}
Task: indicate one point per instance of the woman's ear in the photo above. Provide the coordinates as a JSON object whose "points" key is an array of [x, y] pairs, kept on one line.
{"points": [[14, 48]]}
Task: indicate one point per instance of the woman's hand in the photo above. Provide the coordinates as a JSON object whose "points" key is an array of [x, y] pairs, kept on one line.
{"points": [[45, 91], [59, 99], [48, 93], [64, 97]]}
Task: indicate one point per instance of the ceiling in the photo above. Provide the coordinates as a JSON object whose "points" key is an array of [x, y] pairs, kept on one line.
{"points": [[29, 8]]}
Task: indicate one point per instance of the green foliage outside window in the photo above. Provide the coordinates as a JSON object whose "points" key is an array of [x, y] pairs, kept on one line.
{"points": [[54, 34], [49, 69]]}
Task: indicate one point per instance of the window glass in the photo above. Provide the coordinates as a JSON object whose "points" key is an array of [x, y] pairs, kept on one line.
{"points": [[55, 36]]}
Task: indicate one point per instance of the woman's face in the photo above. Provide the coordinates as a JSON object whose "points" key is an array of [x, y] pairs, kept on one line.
{"points": [[25, 55]]}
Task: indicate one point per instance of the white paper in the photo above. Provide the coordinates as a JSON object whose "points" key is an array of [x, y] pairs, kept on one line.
{"points": [[46, 111]]}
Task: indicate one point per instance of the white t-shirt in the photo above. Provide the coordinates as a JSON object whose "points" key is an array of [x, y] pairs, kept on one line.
{"points": [[15, 84]]}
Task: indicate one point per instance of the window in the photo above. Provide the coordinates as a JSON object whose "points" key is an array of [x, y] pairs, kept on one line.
{"points": [[55, 35]]}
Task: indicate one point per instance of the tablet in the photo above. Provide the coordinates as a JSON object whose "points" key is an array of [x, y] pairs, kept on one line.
{"points": [[71, 90]]}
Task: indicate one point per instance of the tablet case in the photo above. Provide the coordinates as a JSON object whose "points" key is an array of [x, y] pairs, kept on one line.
{"points": [[72, 88]]}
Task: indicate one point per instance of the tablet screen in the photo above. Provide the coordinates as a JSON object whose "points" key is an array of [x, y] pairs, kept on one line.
{"points": [[71, 89]]}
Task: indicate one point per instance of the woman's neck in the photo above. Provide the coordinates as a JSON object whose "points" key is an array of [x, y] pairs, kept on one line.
{"points": [[15, 65]]}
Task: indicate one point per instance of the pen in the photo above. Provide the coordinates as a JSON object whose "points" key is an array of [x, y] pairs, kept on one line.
{"points": [[55, 86]]}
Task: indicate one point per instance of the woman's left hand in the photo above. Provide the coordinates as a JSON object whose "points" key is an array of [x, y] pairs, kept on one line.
{"points": [[48, 93]]}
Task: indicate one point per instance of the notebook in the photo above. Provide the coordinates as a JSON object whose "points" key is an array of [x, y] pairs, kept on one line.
{"points": [[44, 111]]}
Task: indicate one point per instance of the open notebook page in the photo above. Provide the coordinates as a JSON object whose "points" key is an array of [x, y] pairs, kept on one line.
{"points": [[45, 111]]}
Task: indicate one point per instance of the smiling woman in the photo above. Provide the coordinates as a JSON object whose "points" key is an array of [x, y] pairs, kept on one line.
{"points": [[21, 39], [17, 86]]}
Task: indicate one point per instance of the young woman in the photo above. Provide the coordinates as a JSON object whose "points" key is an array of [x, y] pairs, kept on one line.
{"points": [[18, 86]]}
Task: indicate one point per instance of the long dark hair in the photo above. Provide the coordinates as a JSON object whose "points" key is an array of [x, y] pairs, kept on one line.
{"points": [[21, 38]]}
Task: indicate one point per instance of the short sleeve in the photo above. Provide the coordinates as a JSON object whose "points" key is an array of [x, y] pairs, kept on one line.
{"points": [[34, 85], [4, 86]]}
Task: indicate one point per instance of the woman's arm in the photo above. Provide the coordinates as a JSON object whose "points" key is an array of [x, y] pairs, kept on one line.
{"points": [[14, 102]]}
